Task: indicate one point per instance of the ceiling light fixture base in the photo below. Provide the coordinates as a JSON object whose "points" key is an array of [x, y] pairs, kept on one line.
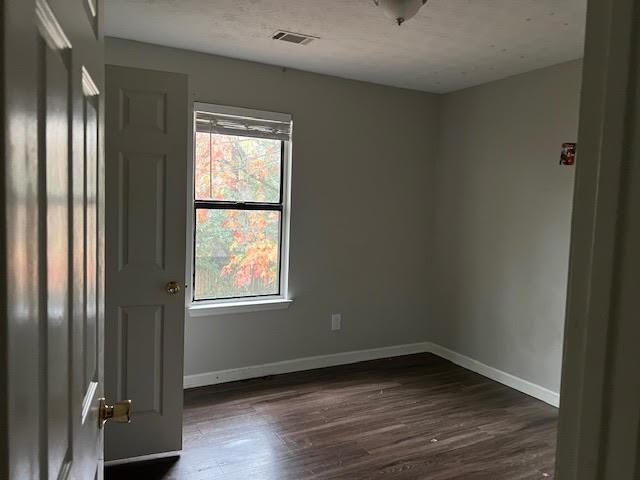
{"points": [[400, 10]]}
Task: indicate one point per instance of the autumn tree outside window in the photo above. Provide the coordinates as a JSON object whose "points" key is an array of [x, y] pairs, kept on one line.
{"points": [[241, 203]]}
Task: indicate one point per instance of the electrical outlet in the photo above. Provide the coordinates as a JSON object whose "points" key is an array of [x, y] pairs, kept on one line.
{"points": [[336, 321]]}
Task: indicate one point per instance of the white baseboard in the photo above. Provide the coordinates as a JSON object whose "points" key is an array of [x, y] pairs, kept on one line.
{"points": [[344, 358], [301, 364], [517, 383]]}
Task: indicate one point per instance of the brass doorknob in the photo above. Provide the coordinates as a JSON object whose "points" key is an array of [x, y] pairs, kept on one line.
{"points": [[172, 288], [119, 412]]}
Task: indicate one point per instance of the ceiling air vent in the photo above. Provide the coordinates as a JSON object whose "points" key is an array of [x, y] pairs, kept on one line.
{"points": [[297, 38]]}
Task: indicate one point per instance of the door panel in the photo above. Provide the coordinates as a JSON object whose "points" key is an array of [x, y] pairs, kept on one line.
{"points": [[140, 371], [147, 134], [142, 111], [144, 248], [52, 247], [90, 350], [54, 167]]}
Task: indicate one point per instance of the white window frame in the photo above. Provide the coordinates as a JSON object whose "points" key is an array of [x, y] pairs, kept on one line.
{"points": [[238, 305]]}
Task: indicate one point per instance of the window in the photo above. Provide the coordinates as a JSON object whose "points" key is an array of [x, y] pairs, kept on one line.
{"points": [[241, 196]]}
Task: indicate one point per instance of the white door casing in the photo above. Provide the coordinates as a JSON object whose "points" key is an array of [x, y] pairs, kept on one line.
{"points": [[599, 424]]}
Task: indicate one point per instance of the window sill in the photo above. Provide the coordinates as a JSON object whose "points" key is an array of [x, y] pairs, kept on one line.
{"points": [[208, 309]]}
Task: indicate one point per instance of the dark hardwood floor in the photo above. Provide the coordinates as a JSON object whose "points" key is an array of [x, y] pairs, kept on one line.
{"points": [[413, 417]]}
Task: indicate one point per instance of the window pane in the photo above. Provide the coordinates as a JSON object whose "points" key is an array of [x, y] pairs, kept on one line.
{"points": [[237, 169], [237, 253]]}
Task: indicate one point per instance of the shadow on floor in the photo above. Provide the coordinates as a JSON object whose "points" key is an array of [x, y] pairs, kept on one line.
{"points": [[148, 470]]}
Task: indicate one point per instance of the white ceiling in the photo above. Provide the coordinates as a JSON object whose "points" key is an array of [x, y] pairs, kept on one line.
{"points": [[450, 44]]}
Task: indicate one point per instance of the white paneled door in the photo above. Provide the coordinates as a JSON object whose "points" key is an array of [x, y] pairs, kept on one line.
{"points": [[52, 248], [146, 183]]}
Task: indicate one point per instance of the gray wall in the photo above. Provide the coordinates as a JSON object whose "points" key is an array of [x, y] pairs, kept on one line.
{"points": [[362, 158], [502, 222], [418, 217]]}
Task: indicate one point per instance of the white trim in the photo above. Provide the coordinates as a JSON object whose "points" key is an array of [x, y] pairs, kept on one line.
{"points": [[207, 309], [286, 220], [142, 458], [50, 27], [517, 383], [301, 364], [89, 87], [344, 358], [189, 251], [237, 305], [92, 7]]}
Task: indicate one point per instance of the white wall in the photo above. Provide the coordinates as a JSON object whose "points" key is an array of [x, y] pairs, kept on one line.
{"points": [[502, 222], [362, 157]]}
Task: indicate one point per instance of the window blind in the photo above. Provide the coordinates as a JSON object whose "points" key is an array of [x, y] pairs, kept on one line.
{"points": [[226, 124]]}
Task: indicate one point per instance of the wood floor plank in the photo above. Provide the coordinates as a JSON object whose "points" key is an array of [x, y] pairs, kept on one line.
{"points": [[406, 418]]}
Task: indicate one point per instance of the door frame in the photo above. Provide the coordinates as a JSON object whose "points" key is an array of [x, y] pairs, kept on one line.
{"points": [[597, 304]]}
